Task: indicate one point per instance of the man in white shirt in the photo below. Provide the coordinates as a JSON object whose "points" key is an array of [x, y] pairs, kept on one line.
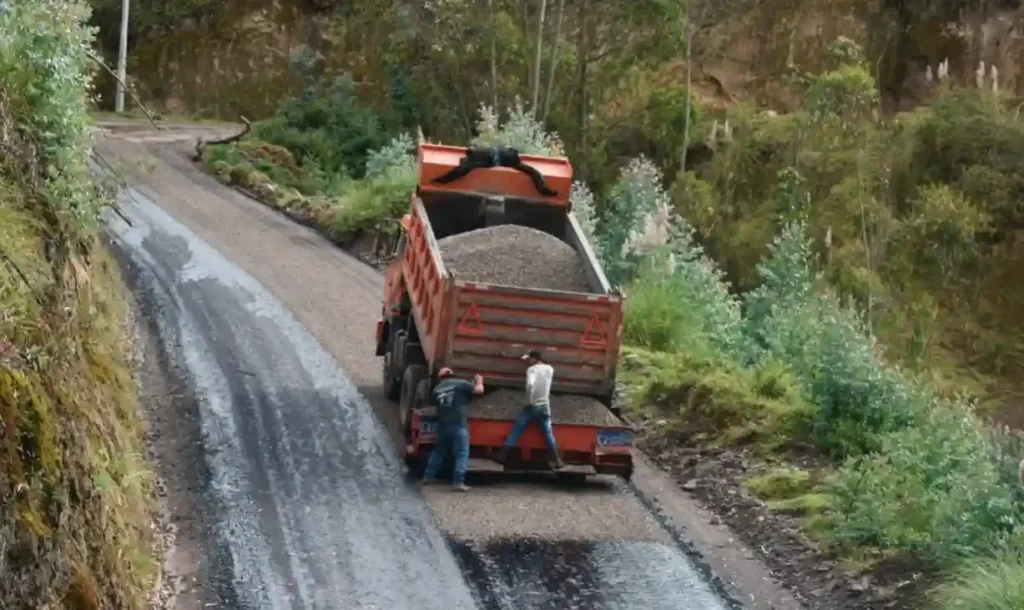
{"points": [[538, 407]]}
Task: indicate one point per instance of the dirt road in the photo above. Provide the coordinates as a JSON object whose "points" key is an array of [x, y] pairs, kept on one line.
{"points": [[273, 328]]}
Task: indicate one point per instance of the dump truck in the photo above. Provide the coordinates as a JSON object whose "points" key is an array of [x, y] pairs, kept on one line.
{"points": [[435, 315]]}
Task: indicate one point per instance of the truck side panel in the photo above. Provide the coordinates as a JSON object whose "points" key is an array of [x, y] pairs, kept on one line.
{"points": [[426, 281], [491, 327], [576, 238]]}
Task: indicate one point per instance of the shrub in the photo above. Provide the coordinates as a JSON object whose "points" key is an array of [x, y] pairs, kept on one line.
{"points": [[660, 316], [702, 396], [827, 346], [395, 156], [373, 205], [521, 131], [968, 140], [931, 489], [326, 127], [635, 220], [276, 162], [45, 72], [938, 240], [76, 527]]}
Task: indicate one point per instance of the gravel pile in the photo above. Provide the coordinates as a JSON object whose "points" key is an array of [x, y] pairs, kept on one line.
{"points": [[514, 255], [500, 508], [506, 404]]}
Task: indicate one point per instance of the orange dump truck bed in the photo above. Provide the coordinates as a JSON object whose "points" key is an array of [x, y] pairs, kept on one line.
{"points": [[432, 319]]}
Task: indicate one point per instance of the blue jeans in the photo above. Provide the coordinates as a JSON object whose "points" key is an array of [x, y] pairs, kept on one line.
{"points": [[455, 437], [532, 414]]}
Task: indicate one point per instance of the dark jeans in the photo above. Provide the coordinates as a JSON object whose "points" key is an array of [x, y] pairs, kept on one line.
{"points": [[543, 419], [456, 438]]}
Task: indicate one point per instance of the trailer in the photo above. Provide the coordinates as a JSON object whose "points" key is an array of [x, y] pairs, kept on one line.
{"points": [[432, 319]]}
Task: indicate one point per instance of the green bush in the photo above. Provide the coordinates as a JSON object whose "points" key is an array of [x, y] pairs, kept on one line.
{"points": [[327, 128], [660, 316], [521, 131], [705, 397], [931, 489], [395, 156], [970, 141], [45, 72], [939, 239], [276, 162], [374, 205]]}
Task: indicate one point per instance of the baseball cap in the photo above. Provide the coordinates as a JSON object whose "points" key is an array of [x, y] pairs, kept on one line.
{"points": [[533, 353]]}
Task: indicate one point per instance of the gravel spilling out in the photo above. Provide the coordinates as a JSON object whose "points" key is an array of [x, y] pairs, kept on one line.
{"points": [[514, 255], [506, 404]]}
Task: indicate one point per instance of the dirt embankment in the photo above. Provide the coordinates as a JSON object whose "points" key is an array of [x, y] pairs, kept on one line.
{"points": [[77, 524]]}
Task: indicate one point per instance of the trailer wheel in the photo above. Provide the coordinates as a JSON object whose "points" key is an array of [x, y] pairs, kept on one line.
{"points": [[414, 374], [415, 466], [392, 385]]}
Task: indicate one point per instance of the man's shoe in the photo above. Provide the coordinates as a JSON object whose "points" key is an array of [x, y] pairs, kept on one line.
{"points": [[460, 487], [557, 464], [428, 482]]}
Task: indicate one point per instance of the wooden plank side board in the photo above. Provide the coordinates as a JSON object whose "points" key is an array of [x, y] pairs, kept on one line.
{"points": [[570, 355], [514, 368]]}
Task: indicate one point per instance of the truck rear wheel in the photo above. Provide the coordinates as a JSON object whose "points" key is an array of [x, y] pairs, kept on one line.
{"points": [[414, 374], [392, 385]]}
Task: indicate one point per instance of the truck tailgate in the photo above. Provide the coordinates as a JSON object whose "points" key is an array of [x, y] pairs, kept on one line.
{"points": [[492, 326]]}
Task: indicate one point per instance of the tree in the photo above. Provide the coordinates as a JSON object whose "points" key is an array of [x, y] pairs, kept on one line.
{"points": [[537, 54]]}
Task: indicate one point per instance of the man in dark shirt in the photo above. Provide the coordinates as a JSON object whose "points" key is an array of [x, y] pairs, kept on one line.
{"points": [[452, 397]]}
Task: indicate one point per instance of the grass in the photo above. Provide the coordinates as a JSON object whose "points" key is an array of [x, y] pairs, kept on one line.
{"points": [[991, 583], [72, 463]]}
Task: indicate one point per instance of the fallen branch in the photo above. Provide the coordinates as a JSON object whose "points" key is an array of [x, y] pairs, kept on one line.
{"points": [[135, 98], [201, 144], [122, 185]]}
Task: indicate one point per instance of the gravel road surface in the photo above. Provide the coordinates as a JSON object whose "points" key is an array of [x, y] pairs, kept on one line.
{"points": [[274, 327]]}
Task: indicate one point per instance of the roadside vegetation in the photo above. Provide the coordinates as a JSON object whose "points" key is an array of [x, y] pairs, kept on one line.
{"points": [[75, 489], [830, 296]]}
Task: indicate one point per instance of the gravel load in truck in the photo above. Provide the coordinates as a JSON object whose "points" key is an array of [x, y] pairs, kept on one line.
{"points": [[514, 255], [565, 409]]}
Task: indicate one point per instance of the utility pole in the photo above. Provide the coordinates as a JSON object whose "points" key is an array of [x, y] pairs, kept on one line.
{"points": [[122, 58]]}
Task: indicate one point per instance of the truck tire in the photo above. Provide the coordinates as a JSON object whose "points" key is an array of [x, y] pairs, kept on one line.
{"points": [[416, 464], [392, 385], [414, 374]]}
